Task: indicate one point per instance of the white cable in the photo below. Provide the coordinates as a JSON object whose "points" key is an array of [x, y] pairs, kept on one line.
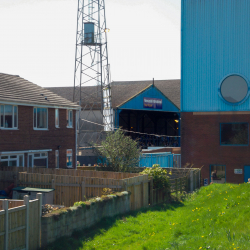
{"points": [[132, 131]]}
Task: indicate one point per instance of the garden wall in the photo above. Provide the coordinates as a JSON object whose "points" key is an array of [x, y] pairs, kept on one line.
{"points": [[55, 226]]}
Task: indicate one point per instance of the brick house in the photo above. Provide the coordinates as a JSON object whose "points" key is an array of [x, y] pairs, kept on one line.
{"points": [[215, 87], [37, 127]]}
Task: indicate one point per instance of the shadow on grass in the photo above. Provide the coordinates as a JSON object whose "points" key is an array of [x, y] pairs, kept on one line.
{"points": [[78, 238]]}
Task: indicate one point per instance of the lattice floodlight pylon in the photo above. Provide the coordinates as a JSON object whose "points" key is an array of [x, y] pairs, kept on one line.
{"points": [[92, 69]]}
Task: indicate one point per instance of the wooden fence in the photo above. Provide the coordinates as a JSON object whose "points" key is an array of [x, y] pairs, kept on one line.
{"points": [[70, 189], [20, 223]]}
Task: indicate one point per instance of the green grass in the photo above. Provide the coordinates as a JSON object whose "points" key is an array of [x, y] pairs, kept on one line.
{"points": [[215, 217]]}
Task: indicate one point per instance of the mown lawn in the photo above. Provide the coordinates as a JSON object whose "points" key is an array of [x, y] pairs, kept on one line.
{"points": [[215, 217]]}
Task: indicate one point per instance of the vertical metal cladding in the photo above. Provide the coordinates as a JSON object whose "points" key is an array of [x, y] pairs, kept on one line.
{"points": [[215, 44]]}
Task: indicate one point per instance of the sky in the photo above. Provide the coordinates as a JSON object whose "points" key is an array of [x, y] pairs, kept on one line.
{"points": [[37, 40]]}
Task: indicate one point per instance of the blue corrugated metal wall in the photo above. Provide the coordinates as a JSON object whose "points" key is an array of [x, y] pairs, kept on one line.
{"points": [[152, 92], [215, 43], [165, 160]]}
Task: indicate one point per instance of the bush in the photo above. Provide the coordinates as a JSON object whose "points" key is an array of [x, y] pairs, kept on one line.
{"points": [[159, 175], [119, 152]]}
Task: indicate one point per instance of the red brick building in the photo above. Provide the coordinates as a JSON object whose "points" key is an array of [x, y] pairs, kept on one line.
{"points": [[215, 88], [37, 127]]}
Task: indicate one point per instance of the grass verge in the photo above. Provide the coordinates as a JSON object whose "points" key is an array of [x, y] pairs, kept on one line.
{"points": [[215, 217]]}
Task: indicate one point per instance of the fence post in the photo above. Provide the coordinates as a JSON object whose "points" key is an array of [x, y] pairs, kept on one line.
{"points": [[181, 185], [151, 192], [83, 191], [54, 187], [6, 224], [176, 187], [125, 187], [142, 193], [26, 202], [191, 180], [186, 183], [39, 196], [134, 195]]}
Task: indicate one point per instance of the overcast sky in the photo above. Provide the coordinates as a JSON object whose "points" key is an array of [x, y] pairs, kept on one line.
{"points": [[37, 40]]}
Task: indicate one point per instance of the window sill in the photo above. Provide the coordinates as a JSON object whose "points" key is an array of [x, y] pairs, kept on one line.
{"points": [[57, 127], [9, 129], [44, 129], [69, 127]]}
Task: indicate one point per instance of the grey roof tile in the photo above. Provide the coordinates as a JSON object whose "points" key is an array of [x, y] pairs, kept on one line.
{"points": [[121, 92], [18, 90]]}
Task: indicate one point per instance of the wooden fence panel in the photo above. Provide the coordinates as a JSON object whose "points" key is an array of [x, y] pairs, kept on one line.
{"points": [[2, 216], [69, 189], [33, 224], [17, 228]]}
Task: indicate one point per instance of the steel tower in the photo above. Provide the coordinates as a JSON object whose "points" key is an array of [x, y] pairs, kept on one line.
{"points": [[92, 69]]}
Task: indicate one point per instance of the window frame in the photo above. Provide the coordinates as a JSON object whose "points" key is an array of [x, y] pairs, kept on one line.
{"points": [[68, 118], [69, 154], [57, 118], [33, 157], [47, 122], [237, 145], [57, 160], [13, 116], [17, 158]]}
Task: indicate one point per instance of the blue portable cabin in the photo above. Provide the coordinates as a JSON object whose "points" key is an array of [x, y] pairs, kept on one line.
{"points": [[215, 74]]}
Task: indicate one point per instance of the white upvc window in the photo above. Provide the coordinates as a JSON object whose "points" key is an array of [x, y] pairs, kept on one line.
{"points": [[57, 118], [69, 158], [69, 118], [38, 160], [57, 158], [40, 118], [9, 116], [14, 160]]}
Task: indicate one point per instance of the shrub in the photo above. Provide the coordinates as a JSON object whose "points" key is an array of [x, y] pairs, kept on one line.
{"points": [[159, 175], [119, 152], [79, 203]]}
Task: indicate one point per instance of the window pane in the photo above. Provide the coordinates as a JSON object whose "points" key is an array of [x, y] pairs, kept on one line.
{"points": [[40, 163], [234, 133], [13, 156], [69, 161], [8, 116], [71, 118], [30, 161], [57, 158], [21, 161], [57, 117], [4, 157], [2, 116], [37, 155], [15, 116], [43, 154], [41, 118], [13, 163], [4, 163], [34, 117]]}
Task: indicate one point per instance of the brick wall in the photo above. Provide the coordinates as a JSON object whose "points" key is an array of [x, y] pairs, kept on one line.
{"points": [[26, 138], [200, 138], [55, 226]]}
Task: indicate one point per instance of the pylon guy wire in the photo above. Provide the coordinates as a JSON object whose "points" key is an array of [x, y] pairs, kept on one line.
{"points": [[130, 131]]}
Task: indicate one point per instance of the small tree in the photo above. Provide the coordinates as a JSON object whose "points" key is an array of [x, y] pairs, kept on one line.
{"points": [[120, 152]]}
